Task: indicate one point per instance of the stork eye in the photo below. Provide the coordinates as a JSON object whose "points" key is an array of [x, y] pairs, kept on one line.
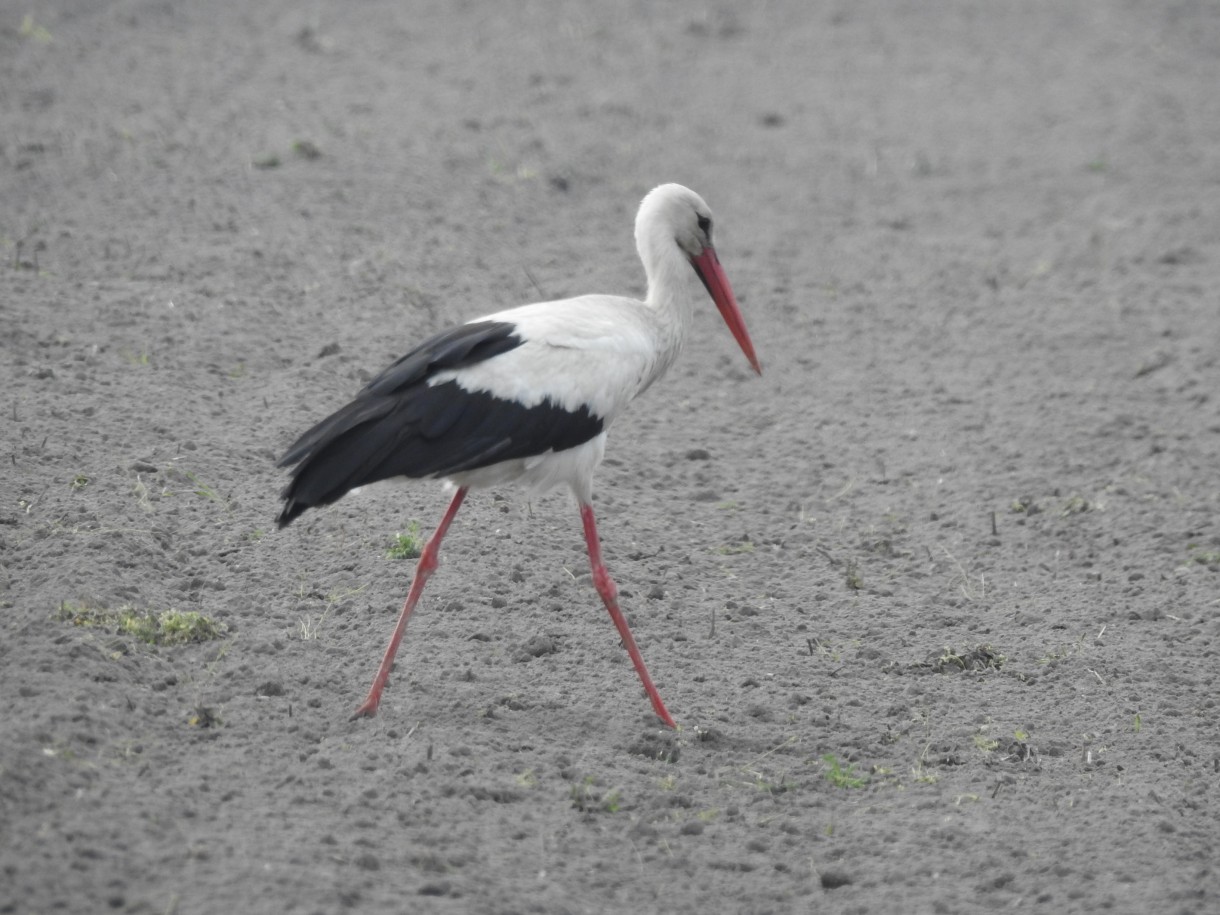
{"points": [[705, 225]]}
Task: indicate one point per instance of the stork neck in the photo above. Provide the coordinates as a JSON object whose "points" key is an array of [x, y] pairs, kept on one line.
{"points": [[672, 281], [671, 291]]}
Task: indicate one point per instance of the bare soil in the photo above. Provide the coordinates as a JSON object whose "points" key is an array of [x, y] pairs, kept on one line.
{"points": [[936, 601]]}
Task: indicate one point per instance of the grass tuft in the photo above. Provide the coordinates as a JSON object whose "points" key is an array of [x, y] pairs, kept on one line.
{"points": [[1205, 557], [406, 546], [587, 797], [949, 661], [34, 31], [170, 627], [841, 776]]}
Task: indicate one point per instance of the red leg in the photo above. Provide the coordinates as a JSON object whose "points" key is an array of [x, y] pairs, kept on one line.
{"points": [[609, 591], [428, 561]]}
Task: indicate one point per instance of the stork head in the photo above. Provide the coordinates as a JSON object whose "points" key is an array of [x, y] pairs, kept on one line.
{"points": [[675, 215]]}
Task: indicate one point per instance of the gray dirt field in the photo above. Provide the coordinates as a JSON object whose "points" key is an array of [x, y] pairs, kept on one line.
{"points": [[935, 602]]}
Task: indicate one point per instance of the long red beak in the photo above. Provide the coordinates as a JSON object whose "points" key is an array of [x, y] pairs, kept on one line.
{"points": [[707, 265]]}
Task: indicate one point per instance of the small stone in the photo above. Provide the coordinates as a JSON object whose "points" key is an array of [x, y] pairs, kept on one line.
{"points": [[832, 880]]}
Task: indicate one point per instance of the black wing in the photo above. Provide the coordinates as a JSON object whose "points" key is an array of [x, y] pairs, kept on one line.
{"points": [[451, 349], [399, 425]]}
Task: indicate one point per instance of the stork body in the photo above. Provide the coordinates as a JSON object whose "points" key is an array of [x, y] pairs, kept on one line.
{"points": [[522, 396]]}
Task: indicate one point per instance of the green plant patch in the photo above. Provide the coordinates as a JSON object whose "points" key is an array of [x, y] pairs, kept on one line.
{"points": [[949, 661], [587, 797], [170, 627], [406, 546], [843, 776], [1205, 557]]}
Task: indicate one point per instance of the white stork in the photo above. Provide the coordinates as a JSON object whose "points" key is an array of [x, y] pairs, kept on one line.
{"points": [[524, 395]]}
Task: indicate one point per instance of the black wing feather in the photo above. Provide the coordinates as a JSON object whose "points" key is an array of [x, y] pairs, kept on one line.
{"points": [[399, 425], [466, 344]]}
